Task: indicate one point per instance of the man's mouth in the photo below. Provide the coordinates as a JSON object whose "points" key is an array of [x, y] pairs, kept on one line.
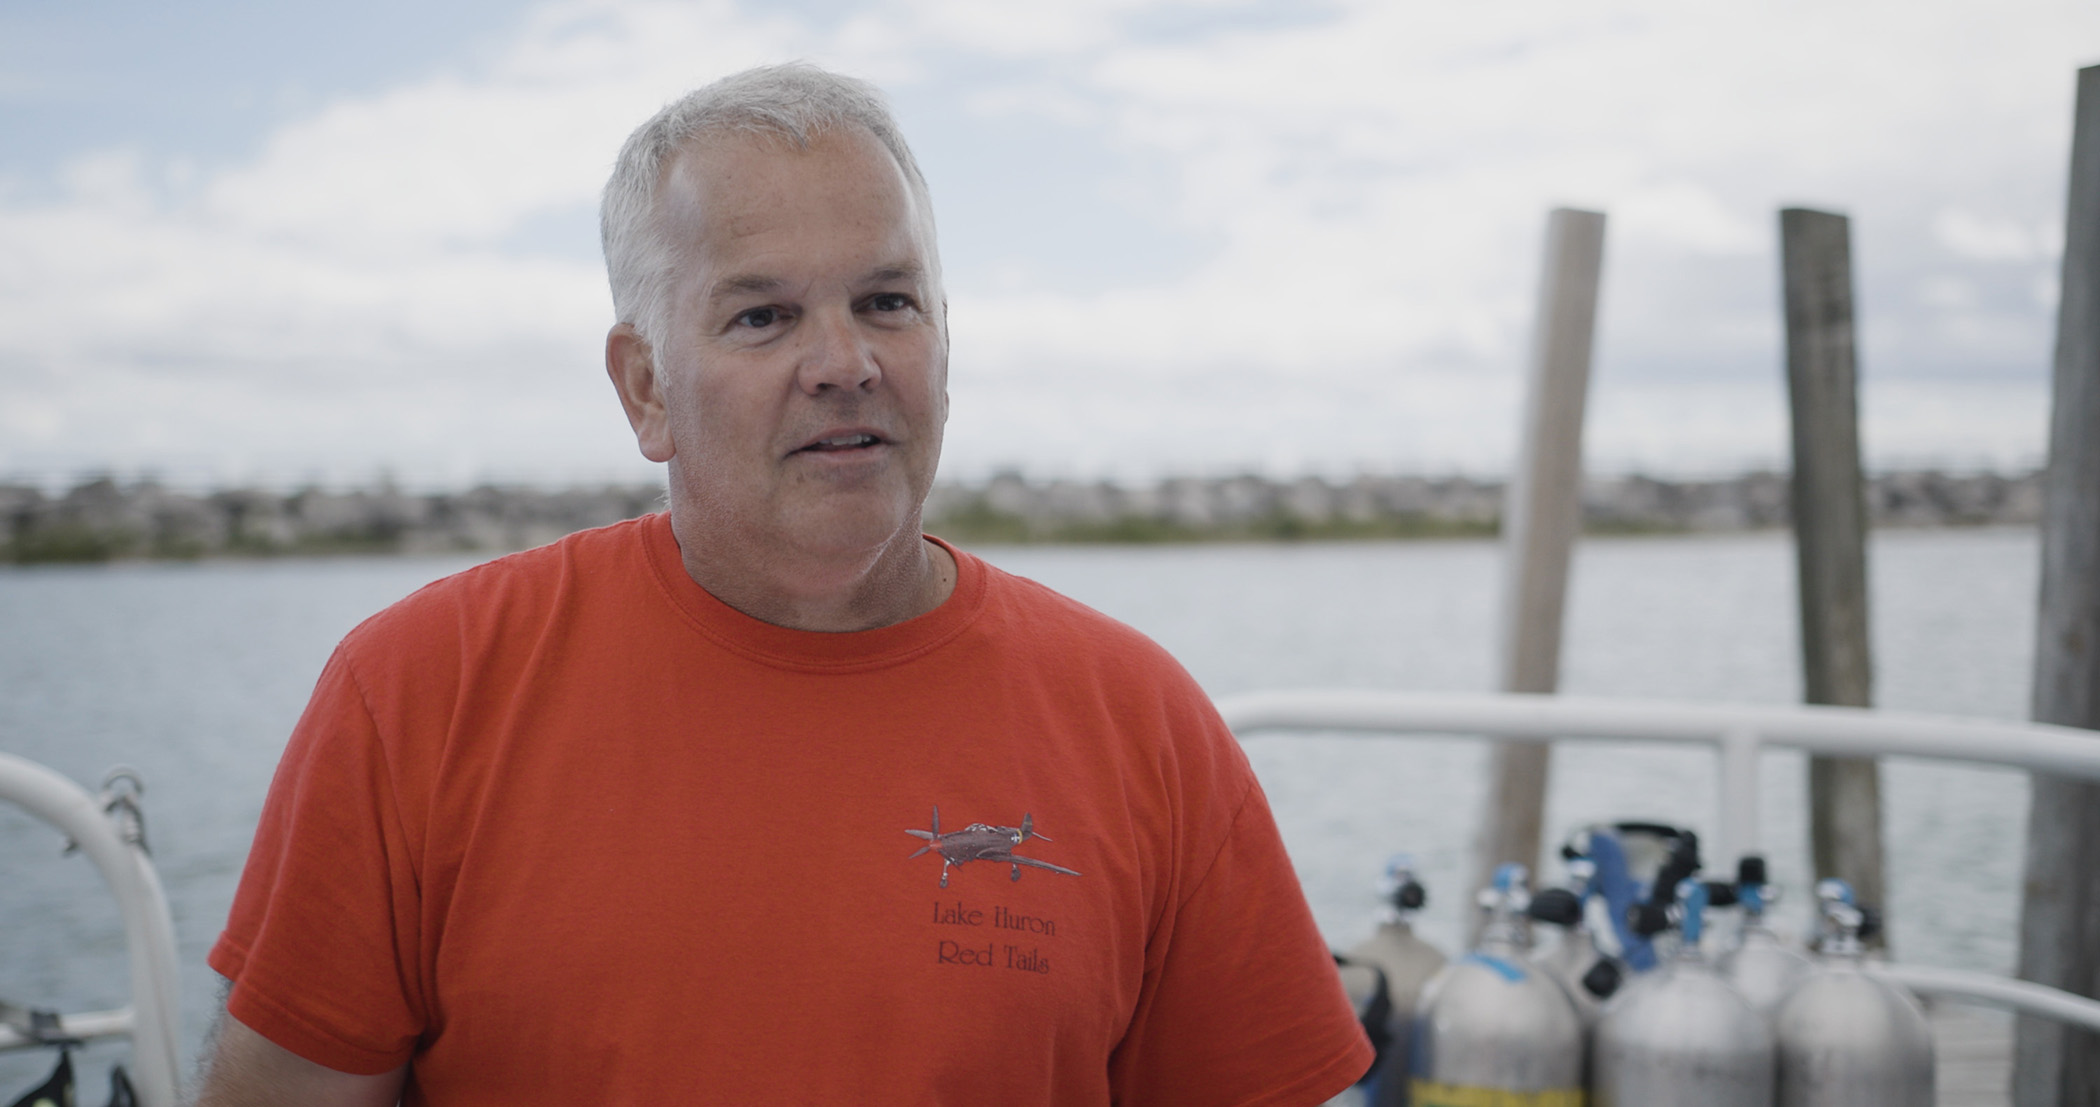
{"points": [[842, 442]]}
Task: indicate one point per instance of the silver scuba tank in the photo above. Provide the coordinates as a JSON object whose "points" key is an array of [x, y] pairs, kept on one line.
{"points": [[1407, 962], [1680, 1034], [1762, 966], [1493, 1028], [1571, 954], [1846, 1037]]}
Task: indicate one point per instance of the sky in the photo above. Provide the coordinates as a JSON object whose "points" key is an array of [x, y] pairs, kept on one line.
{"points": [[273, 243]]}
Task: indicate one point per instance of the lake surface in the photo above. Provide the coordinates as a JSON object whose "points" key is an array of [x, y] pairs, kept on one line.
{"points": [[194, 674]]}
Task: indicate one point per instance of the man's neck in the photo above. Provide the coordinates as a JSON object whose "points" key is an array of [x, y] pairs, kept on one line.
{"points": [[831, 591]]}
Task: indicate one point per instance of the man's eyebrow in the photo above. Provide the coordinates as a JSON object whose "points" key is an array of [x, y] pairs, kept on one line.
{"points": [[902, 271], [743, 284]]}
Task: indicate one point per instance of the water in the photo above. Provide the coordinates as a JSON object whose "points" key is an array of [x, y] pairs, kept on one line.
{"points": [[195, 673]]}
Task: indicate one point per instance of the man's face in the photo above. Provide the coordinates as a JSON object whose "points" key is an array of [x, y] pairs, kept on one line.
{"points": [[803, 366]]}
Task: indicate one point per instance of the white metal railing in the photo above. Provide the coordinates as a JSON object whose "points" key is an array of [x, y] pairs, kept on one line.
{"points": [[1738, 733], [1982, 987], [106, 829]]}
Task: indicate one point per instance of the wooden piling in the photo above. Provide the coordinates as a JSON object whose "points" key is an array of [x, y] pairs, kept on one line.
{"points": [[2060, 908], [1541, 518], [1830, 534]]}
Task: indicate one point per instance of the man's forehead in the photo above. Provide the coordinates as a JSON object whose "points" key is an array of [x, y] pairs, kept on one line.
{"points": [[734, 165], [725, 187]]}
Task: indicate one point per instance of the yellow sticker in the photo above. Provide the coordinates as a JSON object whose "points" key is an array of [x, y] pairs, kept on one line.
{"points": [[1428, 1093]]}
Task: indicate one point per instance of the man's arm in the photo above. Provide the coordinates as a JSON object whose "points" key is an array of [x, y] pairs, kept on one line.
{"points": [[249, 1070]]}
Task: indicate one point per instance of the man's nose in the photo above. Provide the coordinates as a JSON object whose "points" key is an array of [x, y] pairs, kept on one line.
{"points": [[837, 354]]}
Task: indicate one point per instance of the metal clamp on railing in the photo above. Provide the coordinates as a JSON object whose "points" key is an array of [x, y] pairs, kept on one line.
{"points": [[31, 1028]]}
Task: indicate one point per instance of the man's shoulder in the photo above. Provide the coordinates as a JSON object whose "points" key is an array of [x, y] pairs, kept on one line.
{"points": [[1056, 625], [484, 599], [1048, 611]]}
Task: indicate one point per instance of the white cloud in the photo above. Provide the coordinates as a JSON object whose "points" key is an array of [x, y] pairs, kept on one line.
{"points": [[463, 158], [1991, 238], [1690, 217], [1376, 185], [1364, 185]]}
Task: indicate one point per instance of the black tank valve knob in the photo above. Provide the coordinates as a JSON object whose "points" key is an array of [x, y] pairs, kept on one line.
{"points": [[1558, 906], [1603, 978], [1648, 919]]}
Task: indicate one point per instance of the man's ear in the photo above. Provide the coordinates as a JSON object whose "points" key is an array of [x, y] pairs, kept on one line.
{"points": [[632, 366]]}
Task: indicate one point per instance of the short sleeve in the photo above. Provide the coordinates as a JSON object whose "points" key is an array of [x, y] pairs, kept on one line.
{"points": [[321, 944], [1242, 1004]]}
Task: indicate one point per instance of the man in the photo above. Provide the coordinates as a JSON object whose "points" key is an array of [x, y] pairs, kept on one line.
{"points": [[653, 814]]}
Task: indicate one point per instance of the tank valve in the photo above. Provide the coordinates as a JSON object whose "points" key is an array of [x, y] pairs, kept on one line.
{"points": [[1844, 922], [1556, 906], [1604, 978]]}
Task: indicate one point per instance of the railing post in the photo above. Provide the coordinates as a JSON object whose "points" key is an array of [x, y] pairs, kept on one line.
{"points": [[1541, 518], [2060, 908], [1739, 788]]}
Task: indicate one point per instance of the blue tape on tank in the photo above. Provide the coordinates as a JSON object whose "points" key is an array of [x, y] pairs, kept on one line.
{"points": [[1507, 970]]}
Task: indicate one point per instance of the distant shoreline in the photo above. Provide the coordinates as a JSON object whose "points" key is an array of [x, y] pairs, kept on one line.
{"points": [[102, 520]]}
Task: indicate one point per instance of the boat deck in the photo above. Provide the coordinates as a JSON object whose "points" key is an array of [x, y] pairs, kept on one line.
{"points": [[1974, 1048]]}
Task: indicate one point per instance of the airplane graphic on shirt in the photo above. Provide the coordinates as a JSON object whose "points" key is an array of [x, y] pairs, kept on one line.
{"points": [[983, 842]]}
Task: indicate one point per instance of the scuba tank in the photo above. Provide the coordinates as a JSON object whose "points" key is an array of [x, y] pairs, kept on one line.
{"points": [[1407, 963], [1576, 958], [1492, 1028], [1587, 974], [1760, 965], [1573, 960], [1681, 1034], [1846, 1037]]}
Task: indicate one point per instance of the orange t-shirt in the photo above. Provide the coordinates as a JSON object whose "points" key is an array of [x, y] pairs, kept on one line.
{"points": [[564, 828]]}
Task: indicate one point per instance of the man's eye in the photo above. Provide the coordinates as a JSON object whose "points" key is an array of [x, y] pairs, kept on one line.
{"points": [[759, 317], [890, 301]]}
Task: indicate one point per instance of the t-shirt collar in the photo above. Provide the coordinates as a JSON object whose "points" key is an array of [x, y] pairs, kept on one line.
{"points": [[809, 650]]}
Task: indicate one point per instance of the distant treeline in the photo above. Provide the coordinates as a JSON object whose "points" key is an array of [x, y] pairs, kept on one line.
{"points": [[100, 520]]}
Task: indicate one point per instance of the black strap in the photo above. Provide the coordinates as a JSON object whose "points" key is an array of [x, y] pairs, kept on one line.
{"points": [[55, 1092], [1377, 1015], [121, 1093]]}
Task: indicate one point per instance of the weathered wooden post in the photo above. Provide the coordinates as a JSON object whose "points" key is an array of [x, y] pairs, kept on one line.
{"points": [[1830, 537], [1541, 518], [2060, 911]]}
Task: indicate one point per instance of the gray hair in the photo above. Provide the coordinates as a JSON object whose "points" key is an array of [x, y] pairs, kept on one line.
{"points": [[795, 102]]}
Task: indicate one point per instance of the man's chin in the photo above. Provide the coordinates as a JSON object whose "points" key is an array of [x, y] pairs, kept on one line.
{"points": [[848, 525]]}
